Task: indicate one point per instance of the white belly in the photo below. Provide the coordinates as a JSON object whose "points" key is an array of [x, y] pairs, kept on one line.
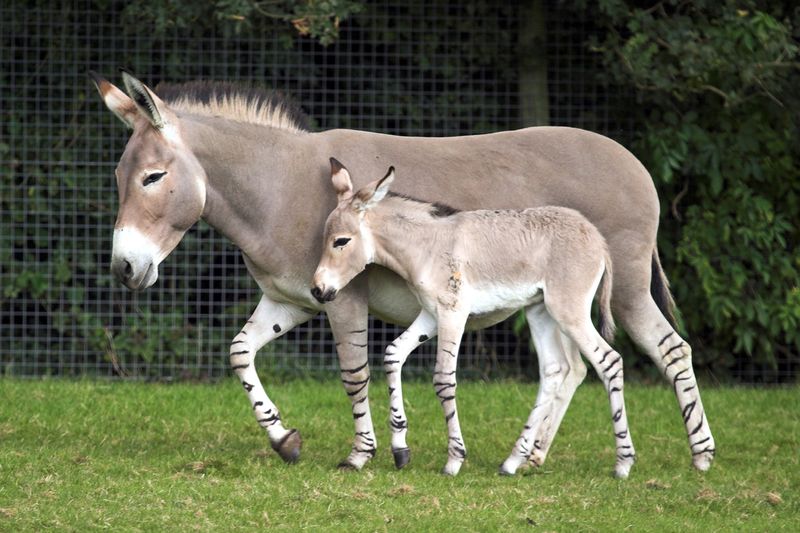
{"points": [[499, 299]]}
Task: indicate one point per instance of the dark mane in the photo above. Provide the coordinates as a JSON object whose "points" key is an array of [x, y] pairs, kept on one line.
{"points": [[237, 101], [437, 210]]}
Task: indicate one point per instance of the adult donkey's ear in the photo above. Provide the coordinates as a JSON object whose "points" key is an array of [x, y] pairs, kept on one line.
{"points": [[117, 101], [340, 177], [374, 192], [149, 105]]}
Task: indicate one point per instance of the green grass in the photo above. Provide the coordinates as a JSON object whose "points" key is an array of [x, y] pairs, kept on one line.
{"points": [[144, 457]]}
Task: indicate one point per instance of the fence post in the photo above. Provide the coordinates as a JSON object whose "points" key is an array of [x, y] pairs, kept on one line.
{"points": [[532, 65]]}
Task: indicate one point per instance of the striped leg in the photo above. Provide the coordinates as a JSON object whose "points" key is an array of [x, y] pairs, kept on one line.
{"points": [[444, 383], [269, 321], [608, 364], [348, 318], [673, 356], [561, 370], [423, 328]]}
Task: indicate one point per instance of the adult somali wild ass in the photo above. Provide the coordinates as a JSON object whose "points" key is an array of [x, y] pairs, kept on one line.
{"points": [[476, 266], [244, 161]]}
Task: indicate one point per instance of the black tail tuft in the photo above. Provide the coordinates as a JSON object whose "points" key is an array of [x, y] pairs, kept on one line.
{"points": [[659, 290]]}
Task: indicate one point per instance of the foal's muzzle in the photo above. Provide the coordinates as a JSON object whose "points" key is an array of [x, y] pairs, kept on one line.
{"points": [[327, 296]]}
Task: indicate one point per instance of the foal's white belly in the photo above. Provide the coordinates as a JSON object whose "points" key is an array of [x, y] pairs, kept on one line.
{"points": [[493, 298], [391, 300]]}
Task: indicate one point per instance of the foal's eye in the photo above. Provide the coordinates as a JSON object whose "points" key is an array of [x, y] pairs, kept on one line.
{"points": [[153, 177], [341, 241]]}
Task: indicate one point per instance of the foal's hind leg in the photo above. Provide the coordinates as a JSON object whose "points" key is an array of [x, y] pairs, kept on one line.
{"points": [[608, 364], [648, 327], [422, 329], [269, 321], [561, 370]]}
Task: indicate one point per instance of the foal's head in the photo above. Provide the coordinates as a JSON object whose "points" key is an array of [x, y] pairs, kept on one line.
{"points": [[347, 247], [162, 186]]}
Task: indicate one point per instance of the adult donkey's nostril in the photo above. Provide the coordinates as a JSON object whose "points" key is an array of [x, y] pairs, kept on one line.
{"points": [[122, 270], [128, 271]]}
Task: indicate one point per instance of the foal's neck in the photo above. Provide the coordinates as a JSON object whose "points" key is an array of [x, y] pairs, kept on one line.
{"points": [[407, 236]]}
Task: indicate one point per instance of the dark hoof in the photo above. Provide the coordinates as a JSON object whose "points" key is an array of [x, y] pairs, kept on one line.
{"points": [[289, 446], [344, 465], [401, 457]]}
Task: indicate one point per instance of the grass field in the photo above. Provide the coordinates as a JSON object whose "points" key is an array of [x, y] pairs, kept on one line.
{"points": [[146, 457]]}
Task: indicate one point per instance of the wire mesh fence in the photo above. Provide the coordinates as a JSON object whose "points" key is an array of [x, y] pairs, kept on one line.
{"points": [[419, 67]]}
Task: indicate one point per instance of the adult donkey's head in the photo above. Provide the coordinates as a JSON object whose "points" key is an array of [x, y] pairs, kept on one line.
{"points": [[347, 246], [162, 186]]}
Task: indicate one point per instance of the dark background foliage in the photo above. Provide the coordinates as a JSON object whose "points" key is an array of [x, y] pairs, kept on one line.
{"points": [[703, 92]]}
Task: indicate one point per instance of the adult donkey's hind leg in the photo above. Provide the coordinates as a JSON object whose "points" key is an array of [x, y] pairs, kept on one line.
{"points": [[561, 370], [673, 357], [644, 322], [348, 319], [269, 321]]}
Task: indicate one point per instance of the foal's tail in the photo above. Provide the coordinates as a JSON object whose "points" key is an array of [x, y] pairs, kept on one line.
{"points": [[606, 320]]}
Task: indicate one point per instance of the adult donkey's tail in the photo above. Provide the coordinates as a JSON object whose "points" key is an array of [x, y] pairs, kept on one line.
{"points": [[605, 320], [659, 290]]}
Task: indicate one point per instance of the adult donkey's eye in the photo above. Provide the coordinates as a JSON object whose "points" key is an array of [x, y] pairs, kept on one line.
{"points": [[153, 177], [341, 241]]}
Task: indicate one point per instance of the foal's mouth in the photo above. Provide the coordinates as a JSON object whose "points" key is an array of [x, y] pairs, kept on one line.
{"points": [[323, 297]]}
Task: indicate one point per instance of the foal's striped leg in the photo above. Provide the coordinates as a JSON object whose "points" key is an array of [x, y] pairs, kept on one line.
{"points": [[423, 328], [561, 370], [608, 364], [269, 321], [444, 383]]}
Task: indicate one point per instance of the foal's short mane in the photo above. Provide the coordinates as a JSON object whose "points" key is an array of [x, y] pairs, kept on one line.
{"points": [[437, 210], [236, 101]]}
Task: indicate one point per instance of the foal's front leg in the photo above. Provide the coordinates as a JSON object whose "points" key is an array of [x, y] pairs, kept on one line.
{"points": [[423, 328], [451, 328], [269, 321]]}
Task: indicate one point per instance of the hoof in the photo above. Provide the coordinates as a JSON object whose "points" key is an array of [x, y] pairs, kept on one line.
{"points": [[289, 446], [702, 461], [344, 465], [503, 472], [401, 457]]}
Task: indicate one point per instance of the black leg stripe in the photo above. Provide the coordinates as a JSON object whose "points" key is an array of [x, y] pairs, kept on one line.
{"points": [[614, 362], [666, 337], [239, 367], [347, 382], [679, 345], [354, 370]]}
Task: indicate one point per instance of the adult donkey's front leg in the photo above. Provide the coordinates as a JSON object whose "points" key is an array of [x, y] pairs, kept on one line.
{"points": [[269, 321], [348, 318]]}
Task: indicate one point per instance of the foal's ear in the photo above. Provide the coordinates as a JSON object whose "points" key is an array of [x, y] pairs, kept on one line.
{"points": [[376, 191], [340, 177], [149, 105], [117, 101]]}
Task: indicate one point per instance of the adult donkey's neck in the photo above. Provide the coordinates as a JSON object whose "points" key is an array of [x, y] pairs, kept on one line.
{"points": [[264, 187]]}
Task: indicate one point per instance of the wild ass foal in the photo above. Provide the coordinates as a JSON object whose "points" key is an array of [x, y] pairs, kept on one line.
{"points": [[484, 264]]}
